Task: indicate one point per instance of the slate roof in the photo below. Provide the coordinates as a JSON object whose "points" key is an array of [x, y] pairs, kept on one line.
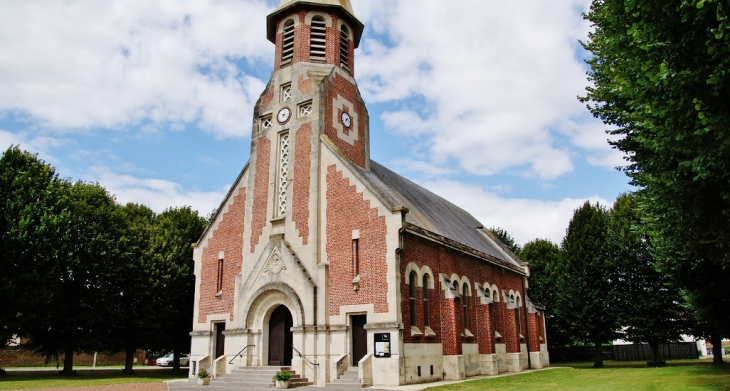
{"points": [[432, 212]]}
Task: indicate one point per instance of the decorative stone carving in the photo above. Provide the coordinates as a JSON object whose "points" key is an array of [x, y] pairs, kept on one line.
{"points": [[275, 265]]}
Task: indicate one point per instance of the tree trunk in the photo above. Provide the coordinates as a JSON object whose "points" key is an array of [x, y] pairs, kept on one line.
{"points": [[68, 361], [176, 361], [656, 354], [129, 360], [716, 340], [598, 363]]}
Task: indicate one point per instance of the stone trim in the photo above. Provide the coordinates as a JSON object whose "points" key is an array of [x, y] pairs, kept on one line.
{"points": [[384, 326], [201, 333], [238, 331]]}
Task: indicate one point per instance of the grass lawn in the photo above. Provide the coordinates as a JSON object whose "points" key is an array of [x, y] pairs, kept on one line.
{"points": [[679, 375], [48, 379]]}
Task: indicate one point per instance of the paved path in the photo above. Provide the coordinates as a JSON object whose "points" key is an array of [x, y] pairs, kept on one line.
{"points": [[115, 387], [191, 385]]}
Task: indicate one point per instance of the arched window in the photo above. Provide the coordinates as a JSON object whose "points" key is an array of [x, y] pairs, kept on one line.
{"points": [[465, 304], [518, 303], [493, 310], [425, 300], [287, 50], [412, 292], [318, 40], [345, 48]]}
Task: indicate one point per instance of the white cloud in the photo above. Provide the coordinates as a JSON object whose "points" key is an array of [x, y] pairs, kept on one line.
{"points": [[158, 194], [34, 144], [499, 80], [86, 63], [524, 219]]}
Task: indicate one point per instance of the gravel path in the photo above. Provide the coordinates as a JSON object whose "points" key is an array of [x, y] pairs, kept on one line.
{"points": [[114, 387]]}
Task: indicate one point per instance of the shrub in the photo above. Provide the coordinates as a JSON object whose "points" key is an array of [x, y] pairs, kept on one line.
{"points": [[283, 375], [203, 373]]}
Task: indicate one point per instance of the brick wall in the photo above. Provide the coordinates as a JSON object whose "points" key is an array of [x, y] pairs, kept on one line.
{"points": [[300, 192], [14, 357], [484, 334], [266, 97], [260, 191], [338, 85], [446, 315], [348, 211], [535, 332], [302, 33], [228, 237], [304, 85]]}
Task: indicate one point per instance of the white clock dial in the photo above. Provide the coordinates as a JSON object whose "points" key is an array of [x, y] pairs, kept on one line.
{"points": [[346, 120], [283, 115]]}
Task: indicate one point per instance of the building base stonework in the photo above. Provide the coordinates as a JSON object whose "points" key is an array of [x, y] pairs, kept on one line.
{"points": [[488, 364], [454, 368], [514, 362]]}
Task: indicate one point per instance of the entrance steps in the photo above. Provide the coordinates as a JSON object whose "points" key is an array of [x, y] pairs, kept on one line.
{"points": [[348, 380], [249, 378]]}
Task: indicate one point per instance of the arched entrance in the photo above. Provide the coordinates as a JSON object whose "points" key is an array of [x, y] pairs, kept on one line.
{"points": [[280, 336]]}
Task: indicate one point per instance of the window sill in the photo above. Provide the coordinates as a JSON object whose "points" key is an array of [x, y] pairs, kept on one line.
{"points": [[429, 332], [415, 332]]}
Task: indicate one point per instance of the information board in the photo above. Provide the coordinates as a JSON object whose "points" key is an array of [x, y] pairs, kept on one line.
{"points": [[382, 344]]}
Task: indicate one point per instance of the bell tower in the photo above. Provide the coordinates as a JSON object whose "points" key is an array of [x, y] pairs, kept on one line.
{"points": [[311, 102]]}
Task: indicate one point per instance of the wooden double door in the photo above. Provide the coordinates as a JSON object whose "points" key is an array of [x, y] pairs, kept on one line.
{"points": [[280, 337]]}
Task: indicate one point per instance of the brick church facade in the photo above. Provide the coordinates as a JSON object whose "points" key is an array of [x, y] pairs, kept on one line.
{"points": [[321, 259]]}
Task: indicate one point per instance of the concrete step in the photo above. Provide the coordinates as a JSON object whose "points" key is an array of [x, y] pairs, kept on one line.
{"points": [[343, 386], [348, 380], [248, 378]]}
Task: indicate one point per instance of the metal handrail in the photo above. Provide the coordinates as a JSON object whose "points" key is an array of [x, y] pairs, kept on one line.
{"points": [[240, 353], [300, 356]]}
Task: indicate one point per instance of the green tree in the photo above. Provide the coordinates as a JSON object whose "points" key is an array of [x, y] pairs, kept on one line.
{"points": [[586, 283], [506, 239], [74, 316], [29, 191], [652, 310], [137, 301], [544, 259], [176, 230], [660, 73]]}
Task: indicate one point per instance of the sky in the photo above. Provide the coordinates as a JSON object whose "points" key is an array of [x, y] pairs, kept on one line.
{"points": [[476, 100]]}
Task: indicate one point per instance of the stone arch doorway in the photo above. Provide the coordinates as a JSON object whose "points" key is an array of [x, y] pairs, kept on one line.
{"points": [[280, 337]]}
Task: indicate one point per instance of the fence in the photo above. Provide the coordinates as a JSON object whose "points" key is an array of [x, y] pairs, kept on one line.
{"points": [[637, 352], [15, 357]]}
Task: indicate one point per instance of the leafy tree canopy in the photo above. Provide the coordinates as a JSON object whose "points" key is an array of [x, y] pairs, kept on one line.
{"points": [[653, 311], [506, 239], [587, 298], [661, 74]]}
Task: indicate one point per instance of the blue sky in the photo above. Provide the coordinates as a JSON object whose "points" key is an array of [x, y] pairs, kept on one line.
{"points": [[473, 99]]}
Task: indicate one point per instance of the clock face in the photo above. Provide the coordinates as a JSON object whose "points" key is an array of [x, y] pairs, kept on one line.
{"points": [[346, 120], [283, 115]]}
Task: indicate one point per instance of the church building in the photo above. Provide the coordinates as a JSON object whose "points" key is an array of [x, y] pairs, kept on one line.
{"points": [[324, 261]]}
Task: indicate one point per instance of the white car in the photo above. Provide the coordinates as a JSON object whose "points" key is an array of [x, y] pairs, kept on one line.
{"points": [[167, 361]]}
